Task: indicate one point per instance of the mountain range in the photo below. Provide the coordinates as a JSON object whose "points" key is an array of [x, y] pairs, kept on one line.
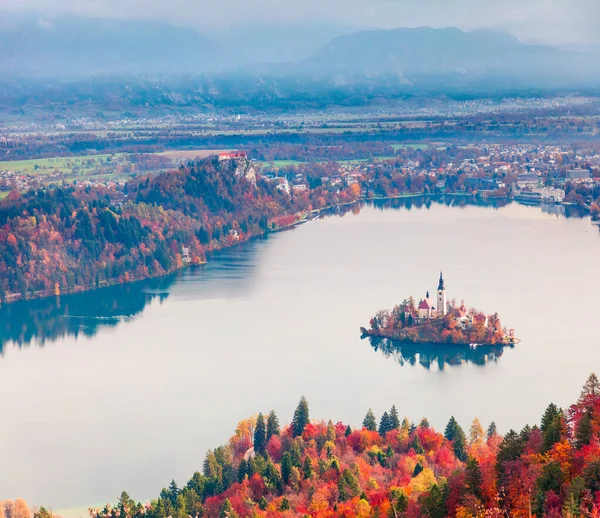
{"points": [[80, 48]]}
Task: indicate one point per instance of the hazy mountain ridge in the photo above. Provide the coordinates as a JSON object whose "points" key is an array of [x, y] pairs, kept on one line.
{"points": [[79, 47], [411, 53]]}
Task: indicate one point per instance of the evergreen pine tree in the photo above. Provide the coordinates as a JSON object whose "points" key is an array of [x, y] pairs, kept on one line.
{"points": [[550, 414], [286, 467], [272, 425], [242, 470], [285, 504], [424, 423], [307, 469], [260, 436], [394, 418], [456, 434], [384, 424], [301, 417], [418, 469], [450, 430], [399, 502], [511, 448], [553, 432], [583, 432], [348, 486], [591, 388], [348, 431], [473, 477], [433, 504], [227, 510], [369, 422], [416, 445], [492, 430]]}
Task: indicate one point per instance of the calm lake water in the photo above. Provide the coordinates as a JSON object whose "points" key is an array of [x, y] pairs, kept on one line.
{"points": [[127, 387]]}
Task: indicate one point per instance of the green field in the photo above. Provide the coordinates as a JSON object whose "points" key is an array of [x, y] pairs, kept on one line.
{"points": [[64, 165], [3, 194]]}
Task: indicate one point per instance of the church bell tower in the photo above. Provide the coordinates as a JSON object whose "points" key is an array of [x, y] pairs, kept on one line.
{"points": [[441, 297]]}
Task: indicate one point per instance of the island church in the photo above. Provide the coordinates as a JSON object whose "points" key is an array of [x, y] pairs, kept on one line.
{"points": [[427, 309]]}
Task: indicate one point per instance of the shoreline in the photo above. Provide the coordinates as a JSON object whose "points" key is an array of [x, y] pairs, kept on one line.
{"points": [[367, 333], [305, 217]]}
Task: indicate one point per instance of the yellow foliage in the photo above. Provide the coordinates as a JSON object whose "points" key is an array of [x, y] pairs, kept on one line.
{"points": [[423, 481], [363, 509], [372, 484]]}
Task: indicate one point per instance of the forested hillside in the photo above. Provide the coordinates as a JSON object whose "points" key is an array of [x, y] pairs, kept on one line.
{"points": [[394, 468], [75, 238]]}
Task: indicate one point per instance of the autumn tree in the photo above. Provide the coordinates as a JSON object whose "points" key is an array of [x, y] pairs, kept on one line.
{"points": [[42, 512], [476, 433]]}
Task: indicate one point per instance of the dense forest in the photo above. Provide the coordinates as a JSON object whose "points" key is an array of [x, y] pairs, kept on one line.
{"points": [[72, 238], [393, 468]]}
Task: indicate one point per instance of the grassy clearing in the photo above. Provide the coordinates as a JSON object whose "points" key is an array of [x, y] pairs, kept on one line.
{"points": [[64, 165], [3, 194]]}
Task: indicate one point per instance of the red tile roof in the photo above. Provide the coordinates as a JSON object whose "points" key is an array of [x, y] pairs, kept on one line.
{"points": [[424, 304]]}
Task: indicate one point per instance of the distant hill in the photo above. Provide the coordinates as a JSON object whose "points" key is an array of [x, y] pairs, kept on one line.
{"points": [[415, 54], [79, 47], [278, 42]]}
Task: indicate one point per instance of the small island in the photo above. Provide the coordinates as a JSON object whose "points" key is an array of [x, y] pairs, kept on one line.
{"points": [[440, 322]]}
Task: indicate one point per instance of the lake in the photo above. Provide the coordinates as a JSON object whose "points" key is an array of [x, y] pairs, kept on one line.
{"points": [[127, 387]]}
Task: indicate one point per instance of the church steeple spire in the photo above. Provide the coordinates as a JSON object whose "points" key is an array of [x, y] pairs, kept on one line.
{"points": [[442, 307]]}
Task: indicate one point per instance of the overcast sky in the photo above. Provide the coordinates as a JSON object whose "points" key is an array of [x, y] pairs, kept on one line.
{"points": [[549, 20]]}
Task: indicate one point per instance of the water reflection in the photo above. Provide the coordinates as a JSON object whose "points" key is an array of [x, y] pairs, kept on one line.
{"points": [[47, 320], [439, 356]]}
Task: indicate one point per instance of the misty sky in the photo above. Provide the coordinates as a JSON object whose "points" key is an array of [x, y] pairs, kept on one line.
{"points": [[557, 21]]}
